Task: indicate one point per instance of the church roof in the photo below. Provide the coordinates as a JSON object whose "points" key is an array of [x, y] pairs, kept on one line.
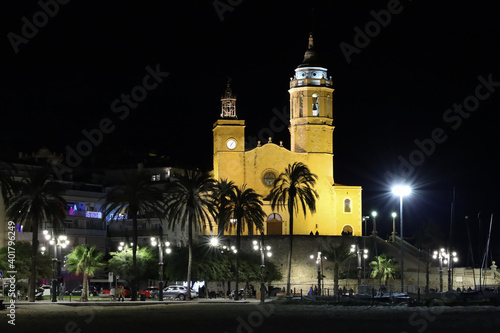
{"points": [[310, 56]]}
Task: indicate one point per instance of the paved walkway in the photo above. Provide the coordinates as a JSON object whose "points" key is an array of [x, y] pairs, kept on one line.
{"points": [[127, 302]]}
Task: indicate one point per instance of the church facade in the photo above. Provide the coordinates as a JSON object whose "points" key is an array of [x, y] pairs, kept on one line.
{"points": [[311, 128]]}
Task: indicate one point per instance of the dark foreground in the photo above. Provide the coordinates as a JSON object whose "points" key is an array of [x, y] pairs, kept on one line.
{"points": [[250, 317]]}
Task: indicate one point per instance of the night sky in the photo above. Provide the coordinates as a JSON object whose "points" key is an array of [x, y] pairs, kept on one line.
{"points": [[416, 92]]}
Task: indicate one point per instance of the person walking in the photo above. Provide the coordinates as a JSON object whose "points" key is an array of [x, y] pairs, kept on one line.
{"points": [[120, 294], [112, 293]]}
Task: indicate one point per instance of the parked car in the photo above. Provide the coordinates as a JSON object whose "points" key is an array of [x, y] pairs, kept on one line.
{"points": [[240, 293], [46, 289], [150, 292], [179, 292], [126, 292]]}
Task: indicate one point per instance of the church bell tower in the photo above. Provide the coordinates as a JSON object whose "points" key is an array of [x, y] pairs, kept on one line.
{"points": [[229, 139], [311, 106]]}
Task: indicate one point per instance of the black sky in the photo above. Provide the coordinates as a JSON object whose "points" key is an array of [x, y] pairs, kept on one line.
{"points": [[394, 91]]}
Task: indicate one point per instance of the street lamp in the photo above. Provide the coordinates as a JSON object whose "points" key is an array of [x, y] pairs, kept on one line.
{"points": [[374, 214], [264, 252], [365, 220], [394, 226], [451, 259], [401, 191], [59, 242], [359, 253], [168, 250], [448, 259], [319, 264], [440, 256]]}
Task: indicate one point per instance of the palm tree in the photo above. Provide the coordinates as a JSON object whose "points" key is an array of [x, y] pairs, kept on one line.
{"points": [[36, 199], [137, 194], [244, 206], [384, 268], [293, 190], [191, 200], [224, 189], [85, 260], [337, 255], [6, 181]]}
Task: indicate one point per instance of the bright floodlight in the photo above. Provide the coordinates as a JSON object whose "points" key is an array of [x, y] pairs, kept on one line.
{"points": [[168, 250], [394, 214], [401, 190], [214, 241], [374, 214]]}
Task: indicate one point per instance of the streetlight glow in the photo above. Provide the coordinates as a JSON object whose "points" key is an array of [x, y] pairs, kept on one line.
{"points": [[401, 190], [214, 241]]}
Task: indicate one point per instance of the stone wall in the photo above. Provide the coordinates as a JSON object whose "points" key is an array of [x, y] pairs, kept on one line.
{"points": [[305, 270]]}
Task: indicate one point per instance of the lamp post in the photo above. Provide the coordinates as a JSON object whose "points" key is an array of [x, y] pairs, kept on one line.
{"points": [[452, 258], [394, 226], [401, 191], [58, 242], [168, 250], [439, 255], [365, 220], [264, 251], [359, 253], [319, 260], [448, 259], [374, 215]]}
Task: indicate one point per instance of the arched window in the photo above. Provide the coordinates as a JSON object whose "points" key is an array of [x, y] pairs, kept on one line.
{"points": [[347, 230], [315, 105], [274, 217], [328, 107], [347, 206], [301, 106]]}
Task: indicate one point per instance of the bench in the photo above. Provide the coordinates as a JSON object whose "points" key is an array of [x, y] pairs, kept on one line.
{"points": [[102, 295]]}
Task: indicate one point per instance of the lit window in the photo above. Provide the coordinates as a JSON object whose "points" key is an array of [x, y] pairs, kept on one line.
{"points": [[274, 217], [315, 105], [347, 206]]}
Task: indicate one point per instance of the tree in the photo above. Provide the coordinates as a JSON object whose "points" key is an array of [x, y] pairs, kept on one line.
{"points": [[85, 260], [383, 268], [224, 189], [337, 255], [138, 194], [23, 262], [145, 268], [191, 201], [6, 181], [293, 191], [36, 199], [245, 207]]}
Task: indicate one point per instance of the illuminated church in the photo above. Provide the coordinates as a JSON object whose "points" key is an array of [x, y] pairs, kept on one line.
{"points": [[311, 128]]}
